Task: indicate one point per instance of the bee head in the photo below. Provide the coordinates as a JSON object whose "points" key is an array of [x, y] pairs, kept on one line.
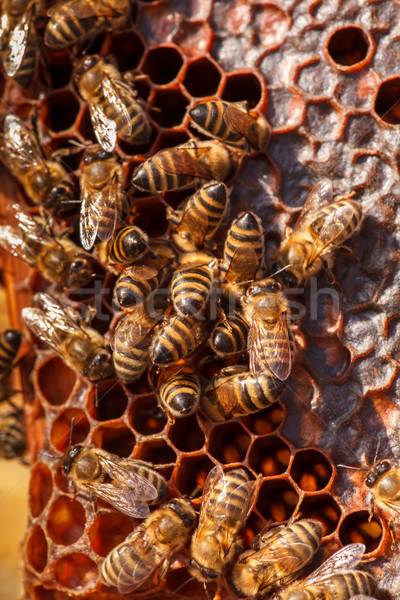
{"points": [[376, 472], [96, 155], [201, 573], [69, 457], [185, 512], [87, 62]]}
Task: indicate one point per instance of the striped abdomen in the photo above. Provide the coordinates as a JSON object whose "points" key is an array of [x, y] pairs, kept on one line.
{"points": [[65, 28], [25, 73], [133, 288], [180, 394], [209, 118], [210, 200], [190, 289], [179, 338], [229, 489], [10, 342], [337, 587], [344, 217], [141, 128], [143, 469], [124, 560], [131, 345], [230, 335], [12, 434], [244, 248], [240, 393], [129, 245]]}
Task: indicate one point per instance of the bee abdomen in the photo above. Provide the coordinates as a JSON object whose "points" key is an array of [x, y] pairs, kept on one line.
{"points": [[209, 116], [155, 479], [10, 341], [130, 364], [129, 245], [180, 394], [211, 198], [230, 336], [233, 488], [350, 584], [159, 173], [245, 234], [64, 28], [130, 291], [12, 435], [120, 564], [304, 538], [190, 289], [176, 340], [26, 71]]}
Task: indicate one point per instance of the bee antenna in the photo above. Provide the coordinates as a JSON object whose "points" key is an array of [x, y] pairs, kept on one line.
{"points": [[377, 450], [280, 270], [206, 591], [352, 468], [183, 585], [48, 454], [70, 433]]}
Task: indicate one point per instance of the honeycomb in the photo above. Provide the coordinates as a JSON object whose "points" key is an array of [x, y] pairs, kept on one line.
{"points": [[326, 75]]}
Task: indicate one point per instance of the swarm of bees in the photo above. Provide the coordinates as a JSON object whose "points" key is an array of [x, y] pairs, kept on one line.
{"points": [[175, 299]]}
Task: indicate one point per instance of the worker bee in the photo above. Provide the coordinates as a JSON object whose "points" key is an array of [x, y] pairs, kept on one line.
{"points": [[384, 481], [235, 392], [73, 20], [128, 485], [227, 501], [18, 39], [115, 108], [149, 547], [270, 344], [190, 163], [229, 336], [58, 259], [128, 246], [136, 283], [276, 557], [243, 253], [10, 342], [179, 392], [231, 122], [12, 434], [46, 182], [131, 344], [199, 219], [81, 347], [103, 198], [192, 282], [335, 578], [322, 227], [178, 338]]}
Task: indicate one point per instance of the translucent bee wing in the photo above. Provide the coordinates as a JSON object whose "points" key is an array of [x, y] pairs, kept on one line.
{"points": [[16, 45], [185, 161], [150, 559], [243, 266], [42, 327], [320, 195], [128, 334], [99, 212], [240, 121], [105, 128], [61, 318], [20, 144], [13, 242], [110, 91], [141, 272], [195, 223], [344, 560], [270, 348], [79, 9]]}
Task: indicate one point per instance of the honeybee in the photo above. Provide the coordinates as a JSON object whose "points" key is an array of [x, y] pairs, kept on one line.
{"points": [[10, 342], [115, 108], [384, 481], [227, 501], [137, 282], [81, 347], [132, 341], [231, 122], [58, 259], [199, 219], [149, 547], [192, 282], [73, 20], [46, 182], [243, 252], [128, 246], [276, 558], [335, 578], [179, 392], [229, 336], [103, 198], [12, 434], [322, 227], [235, 392], [270, 344], [18, 39], [190, 163], [177, 338], [128, 485]]}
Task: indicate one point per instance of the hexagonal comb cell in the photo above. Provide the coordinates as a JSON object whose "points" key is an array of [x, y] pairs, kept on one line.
{"points": [[157, 452], [228, 443], [108, 530], [358, 528], [114, 437], [146, 417], [66, 521], [201, 78], [311, 470], [75, 570], [186, 435], [348, 46], [107, 402], [36, 549], [40, 488], [59, 110], [265, 421], [127, 49], [192, 473], [168, 107], [387, 101], [56, 390], [269, 455], [242, 86], [277, 500], [162, 64], [323, 508], [61, 430]]}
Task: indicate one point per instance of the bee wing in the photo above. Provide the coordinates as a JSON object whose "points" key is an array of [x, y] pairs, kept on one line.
{"points": [[64, 320], [141, 272], [143, 567], [186, 162], [319, 195], [13, 241], [245, 261], [344, 560], [42, 326], [270, 347], [78, 9], [113, 97], [196, 222], [128, 492], [105, 129], [16, 44], [333, 226], [20, 144], [240, 121], [128, 334], [99, 211]]}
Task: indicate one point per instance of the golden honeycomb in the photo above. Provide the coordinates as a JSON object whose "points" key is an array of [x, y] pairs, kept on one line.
{"points": [[326, 74]]}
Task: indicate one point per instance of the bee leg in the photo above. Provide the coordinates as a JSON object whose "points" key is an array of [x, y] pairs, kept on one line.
{"points": [[163, 466], [164, 568], [392, 533], [371, 509], [93, 498]]}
